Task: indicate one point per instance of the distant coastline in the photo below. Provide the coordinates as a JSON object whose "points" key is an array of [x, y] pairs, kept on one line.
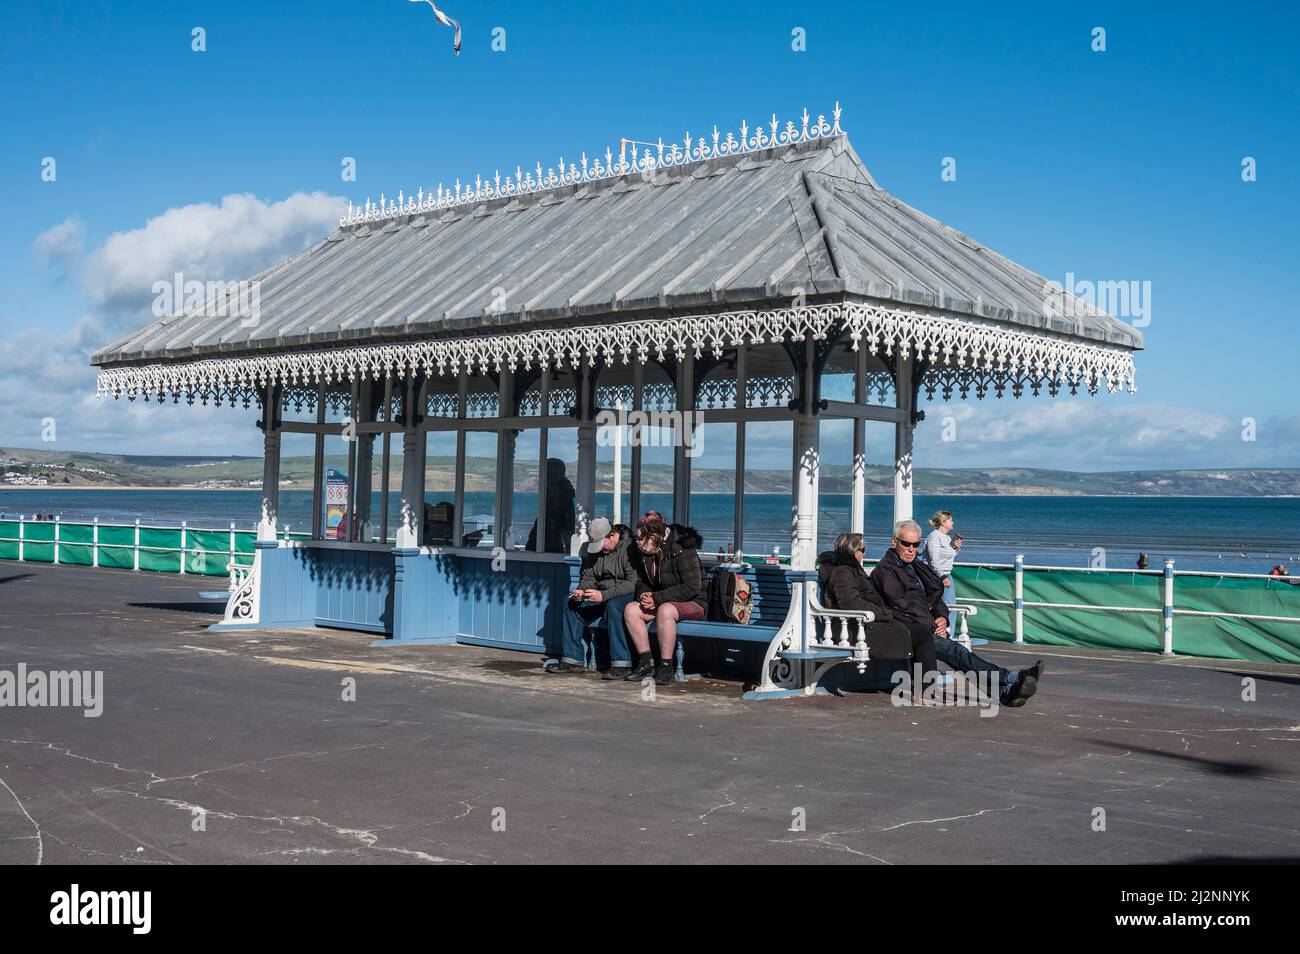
{"points": [[878, 492], [52, 470]]}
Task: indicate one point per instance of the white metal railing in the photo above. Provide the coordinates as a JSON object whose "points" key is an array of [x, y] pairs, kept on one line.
{"points": [[1167, 609], [96, 545]]}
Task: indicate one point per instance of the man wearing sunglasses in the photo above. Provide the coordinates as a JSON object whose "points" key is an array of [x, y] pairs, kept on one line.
{"points": [[915, 595]]}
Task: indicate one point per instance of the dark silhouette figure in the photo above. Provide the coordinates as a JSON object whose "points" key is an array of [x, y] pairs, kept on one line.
{"points": [[561, 510]]}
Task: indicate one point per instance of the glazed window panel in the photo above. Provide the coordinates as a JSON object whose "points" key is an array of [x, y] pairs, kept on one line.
{"points": [[558, 477], [297, 481], [336, 503], [713, 486], [478, 524], [768, 504], [438, 521]]}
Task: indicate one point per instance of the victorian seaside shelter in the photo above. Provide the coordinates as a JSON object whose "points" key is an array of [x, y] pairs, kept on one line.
{"points": [[754, 276]]}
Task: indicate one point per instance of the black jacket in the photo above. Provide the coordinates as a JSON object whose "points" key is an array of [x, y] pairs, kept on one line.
{"points": [[676, 575], [845, 585], [912, 591]]}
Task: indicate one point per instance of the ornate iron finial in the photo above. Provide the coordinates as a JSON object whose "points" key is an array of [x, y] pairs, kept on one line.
{"points": [[567, 173]]}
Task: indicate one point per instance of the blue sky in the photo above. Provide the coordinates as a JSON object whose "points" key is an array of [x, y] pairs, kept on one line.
{"points": [[1122, 165]]}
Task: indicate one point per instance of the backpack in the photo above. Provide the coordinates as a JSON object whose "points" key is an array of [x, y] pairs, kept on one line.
{"points": [[731, 597]]}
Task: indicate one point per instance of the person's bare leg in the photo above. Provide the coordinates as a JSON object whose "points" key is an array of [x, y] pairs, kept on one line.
{"points": [[635, 621], [666, 629]]}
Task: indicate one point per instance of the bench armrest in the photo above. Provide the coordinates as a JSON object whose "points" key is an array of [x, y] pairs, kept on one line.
{"points": [[865, 615], [818, 610]]}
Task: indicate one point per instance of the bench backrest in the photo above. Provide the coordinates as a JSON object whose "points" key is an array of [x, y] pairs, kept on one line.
{"points": [[771, 591]]}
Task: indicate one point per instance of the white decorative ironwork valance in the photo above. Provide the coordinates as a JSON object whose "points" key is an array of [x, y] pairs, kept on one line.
{"points": [[645, 157], [959, 354]]}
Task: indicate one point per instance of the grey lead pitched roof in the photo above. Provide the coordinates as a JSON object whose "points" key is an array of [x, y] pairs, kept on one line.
{"points": [[740, 231]]}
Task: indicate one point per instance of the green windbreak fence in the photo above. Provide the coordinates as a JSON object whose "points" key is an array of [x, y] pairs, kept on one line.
{"points": [[1225, 617], [1220, 616], [203, 552]]}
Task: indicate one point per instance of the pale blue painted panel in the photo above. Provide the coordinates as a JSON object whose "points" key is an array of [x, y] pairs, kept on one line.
{"points": [[354, 587]]}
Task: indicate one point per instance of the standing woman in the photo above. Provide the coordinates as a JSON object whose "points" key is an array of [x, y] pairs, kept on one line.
{"points": [[941, 552]]}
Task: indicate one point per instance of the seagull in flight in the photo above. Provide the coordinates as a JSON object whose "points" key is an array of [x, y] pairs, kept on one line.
{"points": [[445, 21]]}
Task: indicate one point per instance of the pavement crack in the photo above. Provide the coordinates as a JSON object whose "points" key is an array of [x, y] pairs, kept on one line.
{"points": [[934, 821], [82, 758], [725, 793], [39, 836], [824, 840], [158, 780]]}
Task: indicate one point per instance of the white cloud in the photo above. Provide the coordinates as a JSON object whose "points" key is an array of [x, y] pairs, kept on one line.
{"points": [[1106, 432], [61, 245], [48, 375], [205, 242]]}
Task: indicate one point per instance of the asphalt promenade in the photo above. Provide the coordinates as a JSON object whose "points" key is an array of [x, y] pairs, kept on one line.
{"points": [[243, 748]]}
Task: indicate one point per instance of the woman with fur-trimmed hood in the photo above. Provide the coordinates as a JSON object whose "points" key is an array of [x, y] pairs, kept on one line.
{"points": [[670, 588]]}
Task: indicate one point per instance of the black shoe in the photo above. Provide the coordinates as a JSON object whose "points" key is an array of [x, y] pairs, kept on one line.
{"points": [[614, 672], [1019, 694], [664, 672], [1027, 686], [561, 667], [1036, 671], [642, 669]]}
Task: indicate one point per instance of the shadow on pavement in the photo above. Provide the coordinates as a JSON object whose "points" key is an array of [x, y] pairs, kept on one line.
{"points": [[1217, 766]]}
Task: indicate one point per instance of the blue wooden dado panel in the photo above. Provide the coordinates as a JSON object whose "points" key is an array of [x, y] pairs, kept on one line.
{"points": [[517, 607], [424, 604], [354, 587], [287, 590], [454, 596]]}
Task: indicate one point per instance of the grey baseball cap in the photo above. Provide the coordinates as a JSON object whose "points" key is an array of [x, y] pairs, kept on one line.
{"points": [[597, 531]]}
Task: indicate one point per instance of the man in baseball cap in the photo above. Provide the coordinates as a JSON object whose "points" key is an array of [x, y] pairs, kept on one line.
{"points": [[606, 584], [597, 531]]}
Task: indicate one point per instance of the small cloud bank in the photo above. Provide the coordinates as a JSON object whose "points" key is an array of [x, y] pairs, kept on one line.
{"points": [[227, 242], [61, 246], [47, 375]]}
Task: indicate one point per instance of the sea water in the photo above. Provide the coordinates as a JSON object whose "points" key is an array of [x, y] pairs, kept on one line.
{"points": [[1228, 534]]}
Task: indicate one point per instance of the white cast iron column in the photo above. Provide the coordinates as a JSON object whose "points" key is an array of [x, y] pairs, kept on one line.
{"points": [[858, 503], [412, 512], [586, 488], [904, 401], [807, 468], [803, 548], [684, 437], [267, 522]]}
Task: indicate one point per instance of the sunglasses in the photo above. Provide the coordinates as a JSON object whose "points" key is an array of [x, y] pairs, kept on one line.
{"points": [[910, 544]]}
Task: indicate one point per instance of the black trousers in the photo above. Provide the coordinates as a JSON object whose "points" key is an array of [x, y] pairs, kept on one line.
{"points": [[923, 645], [949, 651]]}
